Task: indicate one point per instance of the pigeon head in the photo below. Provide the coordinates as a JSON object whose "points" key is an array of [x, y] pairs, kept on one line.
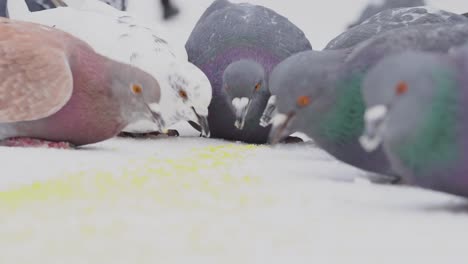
{"points": [[301, 86], [398, 92], [187, 98], [243, 82], [143, 90]]}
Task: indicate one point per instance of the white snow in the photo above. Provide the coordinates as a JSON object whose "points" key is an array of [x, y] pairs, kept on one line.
{"points": [[187, 199]]}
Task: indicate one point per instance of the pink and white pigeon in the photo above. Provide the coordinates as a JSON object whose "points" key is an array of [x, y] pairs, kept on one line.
{"points": [[55, 91]]}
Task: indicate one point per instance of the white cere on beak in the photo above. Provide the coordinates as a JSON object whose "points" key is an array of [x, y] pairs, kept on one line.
{"points": [[375, 113], [374, 122], [240, 104]]}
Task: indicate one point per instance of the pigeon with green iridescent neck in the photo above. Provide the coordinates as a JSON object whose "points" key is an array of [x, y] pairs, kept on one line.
{"points": [[379, 24], [392, 19], [236, 46], [324, 98], [416, 108]]}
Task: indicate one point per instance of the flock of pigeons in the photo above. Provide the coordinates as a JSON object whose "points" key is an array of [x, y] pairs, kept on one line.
{"points": [[385, 96]]}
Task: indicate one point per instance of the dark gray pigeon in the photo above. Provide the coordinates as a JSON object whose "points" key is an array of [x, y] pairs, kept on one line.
{"points": [[236, 46], [374, 8], [416, 108], [331, 110], [393, 19]]}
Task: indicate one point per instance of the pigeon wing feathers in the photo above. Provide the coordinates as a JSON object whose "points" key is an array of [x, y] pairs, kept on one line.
{"points": [[35, 82]]}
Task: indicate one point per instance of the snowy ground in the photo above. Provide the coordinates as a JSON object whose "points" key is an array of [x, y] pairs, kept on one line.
{"points": [[187, 199]]}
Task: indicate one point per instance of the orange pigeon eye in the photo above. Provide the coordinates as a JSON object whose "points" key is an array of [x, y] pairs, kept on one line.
{"points": [[258, 86], [137, 89], [401, 88], [303, 101], [183, 94]]}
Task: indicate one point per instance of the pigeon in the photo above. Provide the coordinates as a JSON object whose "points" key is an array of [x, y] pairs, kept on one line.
{"points": [[393, 19], [383, 5], [236, 46], [56, 91], [185, 89], [324, 98], [416, 111], [378, 24]]}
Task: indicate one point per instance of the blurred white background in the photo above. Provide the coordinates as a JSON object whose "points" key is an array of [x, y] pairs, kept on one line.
{"points": [[321, 20]]}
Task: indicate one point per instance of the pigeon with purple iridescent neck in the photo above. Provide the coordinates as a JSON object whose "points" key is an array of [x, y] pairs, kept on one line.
{"points": [[416, 109], [236, 46], [56, 91]]}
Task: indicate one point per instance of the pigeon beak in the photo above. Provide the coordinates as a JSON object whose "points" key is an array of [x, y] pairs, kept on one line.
{"points": [[241, 107], [280, 127], [203, 123], [269, 113], [374, 119], [158, 120]]}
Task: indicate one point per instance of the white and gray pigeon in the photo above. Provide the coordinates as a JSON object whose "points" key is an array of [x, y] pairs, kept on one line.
{"points": [[416, 109], [331, 111], [185, 90], [392, 19], [381, 5], [236, 46]]}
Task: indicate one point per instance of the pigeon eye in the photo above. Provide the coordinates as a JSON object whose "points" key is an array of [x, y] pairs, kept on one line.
{"points": [[401, 88], [303, 101], [183, 94], [136, 89], [258, 86]]}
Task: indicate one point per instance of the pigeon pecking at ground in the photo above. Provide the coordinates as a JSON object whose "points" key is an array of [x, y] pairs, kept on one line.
{"points": [[236, 46], [331, 111], [416, 110], [185, 90], [378, 24], [57, 92]]}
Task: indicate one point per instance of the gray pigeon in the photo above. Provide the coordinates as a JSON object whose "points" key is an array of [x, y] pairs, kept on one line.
{"points": [[57, 92], [374, 8], [416, 108], [378, 24], [331, 110], [393, 19], [236, 46]]}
